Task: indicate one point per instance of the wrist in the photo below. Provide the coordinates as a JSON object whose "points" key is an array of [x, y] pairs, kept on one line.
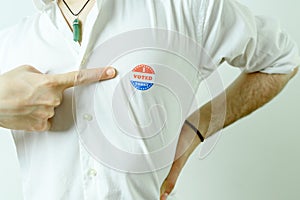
{"points": [[190, 125], [200, 119]]}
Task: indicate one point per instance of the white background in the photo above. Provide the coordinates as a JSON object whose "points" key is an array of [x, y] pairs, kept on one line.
{"points": [[257, 158]]}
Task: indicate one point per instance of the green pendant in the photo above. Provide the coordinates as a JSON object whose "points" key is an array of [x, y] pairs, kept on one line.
{"points": [[77, 30]]}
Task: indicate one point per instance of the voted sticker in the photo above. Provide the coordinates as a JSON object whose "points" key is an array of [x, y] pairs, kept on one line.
{"points": [[142, 77]]}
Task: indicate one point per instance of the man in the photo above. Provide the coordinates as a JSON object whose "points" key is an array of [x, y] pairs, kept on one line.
{"points": [[59, 161]]}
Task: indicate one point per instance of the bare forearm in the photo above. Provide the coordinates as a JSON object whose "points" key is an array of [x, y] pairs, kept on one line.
{"points": [[246, 94]]}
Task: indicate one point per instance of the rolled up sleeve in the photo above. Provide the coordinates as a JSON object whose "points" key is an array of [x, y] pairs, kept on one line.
{"points": [[233, 34]]}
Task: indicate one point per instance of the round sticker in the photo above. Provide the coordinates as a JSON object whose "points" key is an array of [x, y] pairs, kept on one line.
{"points": [[142, 77]]}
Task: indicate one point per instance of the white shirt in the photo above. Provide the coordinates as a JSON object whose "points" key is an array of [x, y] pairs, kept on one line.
{"points": [[114, 140]]}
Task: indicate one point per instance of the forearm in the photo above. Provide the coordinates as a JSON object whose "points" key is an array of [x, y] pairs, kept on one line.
{"points": [[245, 95]]}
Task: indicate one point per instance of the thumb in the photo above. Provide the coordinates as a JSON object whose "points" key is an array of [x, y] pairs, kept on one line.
{"points": [[169, 183], [82, 77]]}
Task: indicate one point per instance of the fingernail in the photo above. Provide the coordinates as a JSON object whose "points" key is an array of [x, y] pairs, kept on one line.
{"points": [[110, 72], [166, 195]]}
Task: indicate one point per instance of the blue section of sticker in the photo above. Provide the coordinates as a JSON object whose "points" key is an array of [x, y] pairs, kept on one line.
{"points": [[141, 85]]}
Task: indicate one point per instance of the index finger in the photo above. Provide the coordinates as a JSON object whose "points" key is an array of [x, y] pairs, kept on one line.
{"points": [[83, 77]]}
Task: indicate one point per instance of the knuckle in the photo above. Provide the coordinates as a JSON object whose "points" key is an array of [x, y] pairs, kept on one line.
{"points": [[51, 114], [47, 115], [56, 101], [37, 126], [41, 126], [78, 77], [37, 114], [169, 186], [50, 81], [44, 113], [27, 67]]}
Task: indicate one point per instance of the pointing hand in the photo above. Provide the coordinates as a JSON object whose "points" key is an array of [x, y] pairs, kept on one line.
{"points": [[28, 97]]}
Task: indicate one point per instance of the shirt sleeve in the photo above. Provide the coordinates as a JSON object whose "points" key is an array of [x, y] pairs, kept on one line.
{"points": [[233, 34]]}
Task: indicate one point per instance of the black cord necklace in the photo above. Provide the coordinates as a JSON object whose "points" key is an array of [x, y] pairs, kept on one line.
{"points": [[77, 29]]}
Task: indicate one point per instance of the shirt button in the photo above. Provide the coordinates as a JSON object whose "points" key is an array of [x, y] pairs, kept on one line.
{"points": [[92, 173], [87, 117]]}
